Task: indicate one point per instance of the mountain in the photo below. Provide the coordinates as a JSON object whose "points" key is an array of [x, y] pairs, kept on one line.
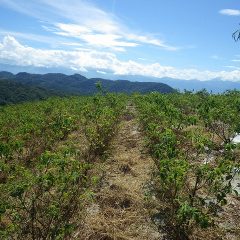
{"points": [[13, 92], [6, 75], [32, 69], [215, 85], [78, 84]]}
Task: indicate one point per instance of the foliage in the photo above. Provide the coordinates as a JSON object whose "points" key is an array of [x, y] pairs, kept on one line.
{"points": [[43, 187], [189, 136], [100, 117], [13, 92], [40, 204]]}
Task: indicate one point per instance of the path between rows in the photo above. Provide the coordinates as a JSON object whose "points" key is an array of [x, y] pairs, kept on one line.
{"points": [[120, 210]]}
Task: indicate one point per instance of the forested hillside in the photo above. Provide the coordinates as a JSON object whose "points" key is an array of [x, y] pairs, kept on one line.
{"points": [[78, 84], [13, 92]]}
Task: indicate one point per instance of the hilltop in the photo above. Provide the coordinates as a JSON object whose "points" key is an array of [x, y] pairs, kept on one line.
{"points": [[78, 84]]}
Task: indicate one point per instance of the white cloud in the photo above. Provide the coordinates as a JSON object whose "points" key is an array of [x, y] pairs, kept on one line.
{"points": [[230, 12], [92, 38], [107, 36], [101, 72], [116, 38], [150, 40], [51, 41], [71, 30], [233, 67], [72, 44], [12, 52], [86, 22]]}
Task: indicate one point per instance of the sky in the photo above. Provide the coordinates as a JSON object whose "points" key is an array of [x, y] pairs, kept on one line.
{"points": [[184, 39]]}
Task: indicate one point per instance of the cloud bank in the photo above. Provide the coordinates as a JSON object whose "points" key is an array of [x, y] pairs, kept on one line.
{"points": [[13, 52]]}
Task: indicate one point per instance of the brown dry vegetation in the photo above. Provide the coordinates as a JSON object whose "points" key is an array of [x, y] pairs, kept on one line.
{"points": [[120, 210]]}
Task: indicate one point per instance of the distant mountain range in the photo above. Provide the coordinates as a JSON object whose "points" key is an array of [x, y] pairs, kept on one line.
{"points": [[215, 85], [25, 86]]}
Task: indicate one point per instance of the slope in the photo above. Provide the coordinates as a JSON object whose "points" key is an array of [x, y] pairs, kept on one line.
{"points": [[78, 84], [13, 92]]}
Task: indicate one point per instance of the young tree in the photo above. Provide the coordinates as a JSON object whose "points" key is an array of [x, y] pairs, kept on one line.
{"points": [[236, 35]]}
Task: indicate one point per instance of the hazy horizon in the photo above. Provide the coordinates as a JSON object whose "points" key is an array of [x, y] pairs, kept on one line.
{"points": [[177, 39]]}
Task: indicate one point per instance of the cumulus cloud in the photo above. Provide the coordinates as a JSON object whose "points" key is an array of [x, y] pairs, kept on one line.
{"points": [[230, 12], [13, 52]]}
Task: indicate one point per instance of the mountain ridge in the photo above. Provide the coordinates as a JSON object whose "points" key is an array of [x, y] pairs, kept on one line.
{"points": [[214, 85], [75, 84]]}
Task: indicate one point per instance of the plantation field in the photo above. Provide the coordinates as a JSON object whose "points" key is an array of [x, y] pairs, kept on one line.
{"points": [[196, 181], [112, 166]]}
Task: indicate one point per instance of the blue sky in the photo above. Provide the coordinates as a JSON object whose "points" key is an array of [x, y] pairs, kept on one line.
{"points": [[183, 39]]}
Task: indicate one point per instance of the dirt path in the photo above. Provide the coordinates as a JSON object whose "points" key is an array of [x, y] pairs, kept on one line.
{"points": [[120, 210]]}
